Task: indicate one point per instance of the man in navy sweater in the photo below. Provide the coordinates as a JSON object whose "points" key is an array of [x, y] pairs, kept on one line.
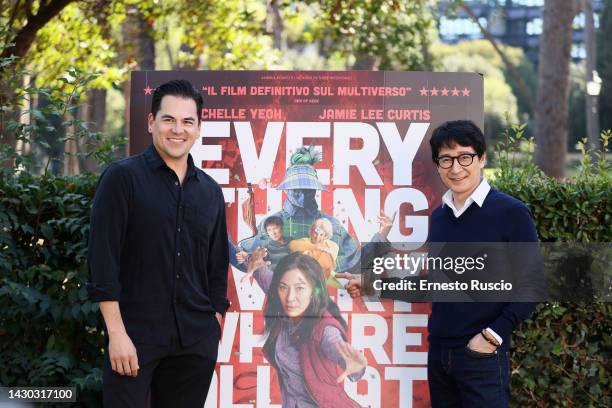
{"points": [[468, 358]]}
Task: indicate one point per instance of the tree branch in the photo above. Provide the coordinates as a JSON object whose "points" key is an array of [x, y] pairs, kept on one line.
{"points": [[28, 9], [522, 86], [26, 35], [13, 16]]}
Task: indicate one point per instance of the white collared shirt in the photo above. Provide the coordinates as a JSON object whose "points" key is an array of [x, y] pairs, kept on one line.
{"points": [[478, 196]]}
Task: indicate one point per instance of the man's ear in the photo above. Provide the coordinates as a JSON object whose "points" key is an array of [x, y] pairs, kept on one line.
{"points": [[150, 120], [483, 160]]}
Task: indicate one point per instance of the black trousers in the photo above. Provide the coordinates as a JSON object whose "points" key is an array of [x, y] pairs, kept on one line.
{"points": [[171, 376]]}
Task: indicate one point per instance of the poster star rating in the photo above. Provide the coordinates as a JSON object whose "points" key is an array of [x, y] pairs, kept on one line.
{"points": [[435, 91]]}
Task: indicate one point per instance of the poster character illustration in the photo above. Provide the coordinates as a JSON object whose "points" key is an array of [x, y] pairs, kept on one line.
{"points": [[315, 166], [306, 334]]}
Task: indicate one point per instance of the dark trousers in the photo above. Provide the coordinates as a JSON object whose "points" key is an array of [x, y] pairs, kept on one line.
{"points": [[171, 376], [464, 378]]}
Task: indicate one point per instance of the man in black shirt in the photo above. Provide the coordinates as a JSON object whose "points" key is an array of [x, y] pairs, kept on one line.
{"points": [[158, 261]]}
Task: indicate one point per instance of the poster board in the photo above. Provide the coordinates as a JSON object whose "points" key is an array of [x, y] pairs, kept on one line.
{"points": [[372, 130]]}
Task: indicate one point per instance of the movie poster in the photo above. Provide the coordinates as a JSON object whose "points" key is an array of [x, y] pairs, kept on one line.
{"points": [[308, 162]]}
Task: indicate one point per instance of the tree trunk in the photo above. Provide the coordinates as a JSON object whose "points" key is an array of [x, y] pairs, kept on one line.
{"points": [[8, 138], [364, 62], [553, 91], [592, 110], [139, 51], [25, 117], [94, 112], [26, 35], [520, 82], [71, 157], [278, 27], [604, 64]]}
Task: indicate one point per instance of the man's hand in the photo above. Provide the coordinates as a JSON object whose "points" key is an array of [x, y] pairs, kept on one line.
{"points": [[353, 286], [122, 353], [219, 317], [480, 344]]}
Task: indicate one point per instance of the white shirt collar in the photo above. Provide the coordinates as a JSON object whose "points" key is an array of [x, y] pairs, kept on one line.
{"points": [[478, 196]]}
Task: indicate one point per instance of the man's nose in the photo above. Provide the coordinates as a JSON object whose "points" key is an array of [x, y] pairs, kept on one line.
{"points": [[177, 128], [456, 166]]}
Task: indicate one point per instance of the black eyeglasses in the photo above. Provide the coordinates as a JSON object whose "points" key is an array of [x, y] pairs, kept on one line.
{"points": [[446, 162]]}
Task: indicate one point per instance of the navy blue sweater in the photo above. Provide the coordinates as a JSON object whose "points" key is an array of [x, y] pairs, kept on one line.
{"points": [[501, 218]]}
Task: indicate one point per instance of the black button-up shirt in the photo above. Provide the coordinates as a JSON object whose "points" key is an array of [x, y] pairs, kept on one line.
{"points": [[159, 248]]}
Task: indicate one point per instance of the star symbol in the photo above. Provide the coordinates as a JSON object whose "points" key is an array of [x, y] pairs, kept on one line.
{"points": [[148, 90], [466, 92], [434, 91], [455, 92], [423, 91], [445, 92]]}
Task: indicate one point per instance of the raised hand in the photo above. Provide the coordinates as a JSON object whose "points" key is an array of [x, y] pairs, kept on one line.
{"points": [[385, 223], [354, 360], [256, 261]]}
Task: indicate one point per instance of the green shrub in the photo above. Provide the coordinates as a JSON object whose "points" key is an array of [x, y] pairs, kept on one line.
{"points": [[561, 357], [50, 333]]}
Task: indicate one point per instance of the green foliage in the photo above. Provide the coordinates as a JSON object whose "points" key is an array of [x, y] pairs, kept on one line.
{"points": [[76, 39], [391, 32], [50, 333], [479, 56], [200, 38], [42, 130], [561, 356], [44, 119], [573, 210]]}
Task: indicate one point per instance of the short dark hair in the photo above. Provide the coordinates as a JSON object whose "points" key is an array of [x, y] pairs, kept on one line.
{"points": [[177, 87], [461, 132], [273, 220]]}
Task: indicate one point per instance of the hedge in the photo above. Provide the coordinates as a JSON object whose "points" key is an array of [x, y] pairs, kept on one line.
{"points": [[561, 356], [50, 334]]}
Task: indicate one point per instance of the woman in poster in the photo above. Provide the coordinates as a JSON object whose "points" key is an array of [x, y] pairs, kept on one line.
{"points": [[306, 336]]}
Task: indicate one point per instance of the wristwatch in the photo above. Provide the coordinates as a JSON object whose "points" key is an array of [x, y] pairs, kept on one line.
{"points": [[489, 339]]}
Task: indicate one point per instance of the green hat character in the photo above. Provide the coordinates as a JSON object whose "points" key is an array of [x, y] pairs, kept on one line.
{"points": [[301, 174]]}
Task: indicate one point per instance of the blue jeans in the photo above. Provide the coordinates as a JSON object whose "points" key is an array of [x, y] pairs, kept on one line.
{"points": [[461, 377]]}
